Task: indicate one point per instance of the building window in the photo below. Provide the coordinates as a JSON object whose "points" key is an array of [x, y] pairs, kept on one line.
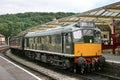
{"points": [[104, 36]]}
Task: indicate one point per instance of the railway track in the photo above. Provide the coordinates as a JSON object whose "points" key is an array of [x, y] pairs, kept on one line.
{"points": [[99, 76], [110, 77], [40, 68], [53, 73], [30, 69]]}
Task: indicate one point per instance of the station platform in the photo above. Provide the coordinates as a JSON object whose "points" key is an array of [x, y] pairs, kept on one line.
{"points": [[11, 71], [114, 58]]}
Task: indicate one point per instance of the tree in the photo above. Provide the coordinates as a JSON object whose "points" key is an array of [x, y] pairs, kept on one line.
{"points": [[12, 24]]}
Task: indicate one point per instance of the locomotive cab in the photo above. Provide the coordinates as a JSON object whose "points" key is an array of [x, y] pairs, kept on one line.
{"points": [[84, 42], [87, 47]]}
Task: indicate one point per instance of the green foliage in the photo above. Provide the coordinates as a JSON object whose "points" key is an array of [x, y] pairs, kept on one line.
{"points": [[12, 24]]}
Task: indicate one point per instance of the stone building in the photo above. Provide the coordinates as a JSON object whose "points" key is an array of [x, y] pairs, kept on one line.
{"points": [[2, 39]]}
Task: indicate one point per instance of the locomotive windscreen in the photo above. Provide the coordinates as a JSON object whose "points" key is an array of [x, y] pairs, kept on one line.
{"points": [[87, 36]]}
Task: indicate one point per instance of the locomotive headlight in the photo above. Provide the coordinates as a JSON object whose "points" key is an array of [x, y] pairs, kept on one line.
{"points": [[90, 40]]}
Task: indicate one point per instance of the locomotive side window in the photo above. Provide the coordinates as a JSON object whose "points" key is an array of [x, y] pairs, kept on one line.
{"points": [[30, 42], [33, 40], [37, 39], [97, 35], [58, 39], [27, 42], [47, 39], [50, 39], [40, 40], [68, 38], [53, 40]]}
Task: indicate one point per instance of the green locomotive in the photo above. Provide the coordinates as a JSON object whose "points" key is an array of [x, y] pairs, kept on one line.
{"points": [[74, 46]]}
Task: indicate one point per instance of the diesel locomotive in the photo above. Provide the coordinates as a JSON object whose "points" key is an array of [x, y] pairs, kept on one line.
{"points": [[74, 46]]}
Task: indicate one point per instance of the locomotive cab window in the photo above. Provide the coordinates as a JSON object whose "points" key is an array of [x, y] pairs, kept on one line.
{"points": [[77, 35], [88, 36], [92, 36], [97, 36], [68, 38]]}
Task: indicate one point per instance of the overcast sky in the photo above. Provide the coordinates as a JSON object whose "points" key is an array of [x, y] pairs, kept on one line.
{"points": [[76, 6]]}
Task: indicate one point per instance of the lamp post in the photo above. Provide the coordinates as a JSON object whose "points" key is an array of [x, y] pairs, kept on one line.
{"points": [[8, 40]]}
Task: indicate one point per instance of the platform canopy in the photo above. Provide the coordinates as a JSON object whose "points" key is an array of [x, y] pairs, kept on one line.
{"points": [[104, 17]]}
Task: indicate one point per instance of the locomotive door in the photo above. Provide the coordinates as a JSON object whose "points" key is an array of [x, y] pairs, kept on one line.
{"points": [[67, 43]]}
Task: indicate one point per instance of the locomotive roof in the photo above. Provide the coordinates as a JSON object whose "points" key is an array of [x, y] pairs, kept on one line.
{"points": [[52, 31], [60, 29]]}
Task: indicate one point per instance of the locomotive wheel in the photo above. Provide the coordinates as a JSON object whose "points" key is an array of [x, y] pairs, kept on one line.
{"points": [[87, 69], [98, 67], [80, 69]]}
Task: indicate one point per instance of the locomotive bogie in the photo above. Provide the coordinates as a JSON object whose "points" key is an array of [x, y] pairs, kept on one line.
{"points": [[62, 61]]}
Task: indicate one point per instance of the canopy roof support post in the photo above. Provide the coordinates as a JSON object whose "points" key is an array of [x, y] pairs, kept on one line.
{"points": [[114, 36]]}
